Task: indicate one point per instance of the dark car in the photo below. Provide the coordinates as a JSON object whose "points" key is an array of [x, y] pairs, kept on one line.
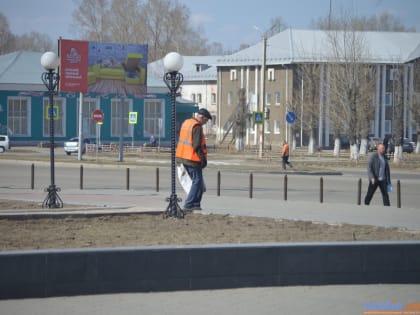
{"points": [[407, 147]]}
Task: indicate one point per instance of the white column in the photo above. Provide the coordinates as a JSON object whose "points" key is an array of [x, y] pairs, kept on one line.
{"points": [[321, 106], [327, 107], [405, 95], [377, 100], [80, 135], [382, 132], [410, 103]]}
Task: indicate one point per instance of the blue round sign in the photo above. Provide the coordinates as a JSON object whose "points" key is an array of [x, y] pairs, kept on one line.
{"points": [[290, 117]]}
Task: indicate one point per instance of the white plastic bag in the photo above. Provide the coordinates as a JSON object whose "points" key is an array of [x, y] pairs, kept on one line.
{"points": [[184, 178]]}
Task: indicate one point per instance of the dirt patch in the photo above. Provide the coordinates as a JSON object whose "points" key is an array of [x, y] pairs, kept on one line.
{"points": [[147, 229]]}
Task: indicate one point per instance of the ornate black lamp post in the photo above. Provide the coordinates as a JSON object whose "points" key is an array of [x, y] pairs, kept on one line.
{"points": [[49, 61], [173, 62]]}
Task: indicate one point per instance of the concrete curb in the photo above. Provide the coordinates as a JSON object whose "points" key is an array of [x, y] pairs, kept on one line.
{"points": [[47, 273]]}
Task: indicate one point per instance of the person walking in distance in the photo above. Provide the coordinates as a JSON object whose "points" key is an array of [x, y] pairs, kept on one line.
{"points": [[285, 155], [192, 152], [379, 175]]}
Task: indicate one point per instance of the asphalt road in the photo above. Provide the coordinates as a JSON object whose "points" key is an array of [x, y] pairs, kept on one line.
{"points": [[239, 180]]}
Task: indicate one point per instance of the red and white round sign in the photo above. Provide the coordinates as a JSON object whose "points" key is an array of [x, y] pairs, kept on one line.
{"points": [[98, 115]]}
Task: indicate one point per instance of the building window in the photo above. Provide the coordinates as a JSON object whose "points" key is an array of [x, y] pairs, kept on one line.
{"points": [[153, 118], [233, 75], [19, 116], [88, 125], [199, 98], [372, 126], [388, 99], [277, 98], [193, 97], [213, 98], [388, 126], [276, 128], [267, 126], [116, 112], [393, 74], [229, 98], [270, 74], [59, 112], [267, 98]]}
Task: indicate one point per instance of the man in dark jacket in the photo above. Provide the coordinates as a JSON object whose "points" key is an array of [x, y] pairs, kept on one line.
{"points": [[379, 175]]}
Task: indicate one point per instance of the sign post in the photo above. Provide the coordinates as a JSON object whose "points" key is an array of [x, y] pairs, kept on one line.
{"points": [[132, 120], [98, 117]]}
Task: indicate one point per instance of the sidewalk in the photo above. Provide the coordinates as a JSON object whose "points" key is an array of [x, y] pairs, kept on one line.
{"points": [[123, 201], [330, 299]]}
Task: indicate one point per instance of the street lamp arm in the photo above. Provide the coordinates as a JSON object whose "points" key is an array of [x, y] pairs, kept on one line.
{"points": [[50, 80], [177, 78]]}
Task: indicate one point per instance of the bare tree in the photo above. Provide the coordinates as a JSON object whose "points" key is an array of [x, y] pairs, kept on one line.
{"points": [[415, 102], [165, 24], [91, 19], [276, 26], [398, 108], [125, 22], [308, 75], [6, 36], [34, 41], [31, 41], [351, 83], [386, 22]]}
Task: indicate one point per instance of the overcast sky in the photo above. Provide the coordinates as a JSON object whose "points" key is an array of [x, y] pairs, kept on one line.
{"points": [[230, 22]]}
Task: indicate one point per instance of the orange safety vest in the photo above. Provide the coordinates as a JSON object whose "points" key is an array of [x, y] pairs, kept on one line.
{"points": [[285, 149], [185, 148]]}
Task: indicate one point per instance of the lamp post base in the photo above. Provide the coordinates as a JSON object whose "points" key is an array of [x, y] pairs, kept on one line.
{"points": [[52, 200], [173, 209]]}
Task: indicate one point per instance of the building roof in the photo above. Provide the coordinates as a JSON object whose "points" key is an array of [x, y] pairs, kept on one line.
{"points": [[22, 70], [300, 46], [195, 68]]}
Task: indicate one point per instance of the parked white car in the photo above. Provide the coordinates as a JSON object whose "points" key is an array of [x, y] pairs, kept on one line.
{"points": [[4, 143], [72, 145]]}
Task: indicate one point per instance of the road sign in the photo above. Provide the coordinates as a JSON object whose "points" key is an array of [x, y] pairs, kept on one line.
{"points": [[290, 117], [55, 112], [98, 115], [132, 117], [258, 117]]}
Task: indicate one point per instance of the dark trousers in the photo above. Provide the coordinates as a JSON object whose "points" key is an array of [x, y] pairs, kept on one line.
{"points": [[285, 160], [197, 187], [372, 188]]}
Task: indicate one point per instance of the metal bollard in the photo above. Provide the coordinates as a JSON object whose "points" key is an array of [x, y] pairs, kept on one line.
{"points": [[127, 177], [285, 187], [359, 192], [81, 178], [157, 179], [32, 176], [250, 185], [218, 183], [321, 190], [398, 194]]}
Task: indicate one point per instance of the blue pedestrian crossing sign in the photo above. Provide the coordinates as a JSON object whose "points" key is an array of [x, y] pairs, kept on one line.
{"points": [[132, 117], [55, 112], [258, 117]]}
